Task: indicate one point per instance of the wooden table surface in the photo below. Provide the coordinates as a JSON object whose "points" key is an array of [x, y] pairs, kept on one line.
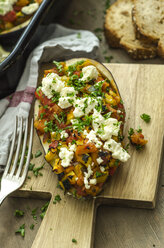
{"points": [[115, 227]]}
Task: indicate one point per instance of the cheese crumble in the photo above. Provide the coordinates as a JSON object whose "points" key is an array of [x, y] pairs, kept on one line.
{"points": [[51, 83], [30, 9], [89, 72], [66, 155], [117, 151]]}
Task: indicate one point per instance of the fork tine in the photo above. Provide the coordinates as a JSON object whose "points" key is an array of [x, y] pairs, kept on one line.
{"points": [[24, 148], [18, 147], [29, 151], [12, 148]]}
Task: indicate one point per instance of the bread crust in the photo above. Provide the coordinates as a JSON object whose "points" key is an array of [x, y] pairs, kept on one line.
{"points": [[149, 27], [124, 36]]}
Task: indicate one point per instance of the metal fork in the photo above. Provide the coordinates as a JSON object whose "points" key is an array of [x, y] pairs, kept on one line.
{"points": [[15, 174]]}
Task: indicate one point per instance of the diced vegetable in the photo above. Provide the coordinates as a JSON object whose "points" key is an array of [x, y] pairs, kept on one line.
{"points": [[87, 148], [57, 168]]}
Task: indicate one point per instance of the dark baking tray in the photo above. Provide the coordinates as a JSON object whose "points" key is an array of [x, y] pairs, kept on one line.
{"points": [[25, 42]]}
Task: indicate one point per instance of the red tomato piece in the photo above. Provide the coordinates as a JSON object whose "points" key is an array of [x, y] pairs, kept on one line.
{"points": [[10, 17]]}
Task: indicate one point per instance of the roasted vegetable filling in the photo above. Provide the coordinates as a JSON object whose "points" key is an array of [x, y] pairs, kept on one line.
{"points": [[15, 12], [81, 117]]}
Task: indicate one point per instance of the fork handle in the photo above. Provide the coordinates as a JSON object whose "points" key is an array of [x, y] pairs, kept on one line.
{"points": [[2, 197]]}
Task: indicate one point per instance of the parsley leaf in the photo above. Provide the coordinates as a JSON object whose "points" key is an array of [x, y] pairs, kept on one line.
{"points": [[74, 241], [98, 174], [21, 230], [36, 170], [19, 213], [38, 154], [58, 65], [32, 226], [57, 199], [56, 96], [33, 213], [130, 132], [139, 147], [145, 117], [31, 166], [108, 58], [57, 118], [44, 209]]}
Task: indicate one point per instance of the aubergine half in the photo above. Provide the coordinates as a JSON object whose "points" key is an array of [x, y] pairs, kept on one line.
{"points": [[79, 117]]}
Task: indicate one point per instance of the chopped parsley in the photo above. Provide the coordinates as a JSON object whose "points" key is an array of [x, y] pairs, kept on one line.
{"points": [[63, 116], [32, 226], [71, 101], [85, 105], [127, 147], [107, 116], [98, 107], [71, 94], [79, 35], [97, 30], [58, 65], [139, 147], [98, 174], [73, 68], [80, 124], [116, 162], [19, 213], [107, 4], [130, 132], [38, 154], [56, 96], [57, 199], [33, 213], [97, 89], [50, 127], [37, 90], [31, 166], [145, 117], [42, 115], [74, 241], [108, 58], [57, 118], [44, 209], [76, 83], [139, 130], [21, 230], [36, 170]]}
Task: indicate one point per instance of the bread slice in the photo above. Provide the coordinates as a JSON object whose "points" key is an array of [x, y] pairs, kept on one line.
{"points": [[120, 31], [148, 17]]}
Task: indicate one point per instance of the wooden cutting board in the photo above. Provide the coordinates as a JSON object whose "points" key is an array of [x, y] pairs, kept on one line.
{"points": [[134, 184]]}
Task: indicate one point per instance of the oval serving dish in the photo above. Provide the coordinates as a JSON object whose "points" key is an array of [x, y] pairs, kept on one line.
{"points": [[79, 117], [16, 15]]}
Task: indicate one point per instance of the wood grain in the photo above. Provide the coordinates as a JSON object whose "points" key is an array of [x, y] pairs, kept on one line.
{"points": [[134, 184]]}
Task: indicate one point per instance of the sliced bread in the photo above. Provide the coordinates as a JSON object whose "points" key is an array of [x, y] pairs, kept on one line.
{"points": [[148, 17], [120, 31]]}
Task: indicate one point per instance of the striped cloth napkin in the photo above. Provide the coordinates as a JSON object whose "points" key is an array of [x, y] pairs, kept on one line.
{"points": [[61, 44]]}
